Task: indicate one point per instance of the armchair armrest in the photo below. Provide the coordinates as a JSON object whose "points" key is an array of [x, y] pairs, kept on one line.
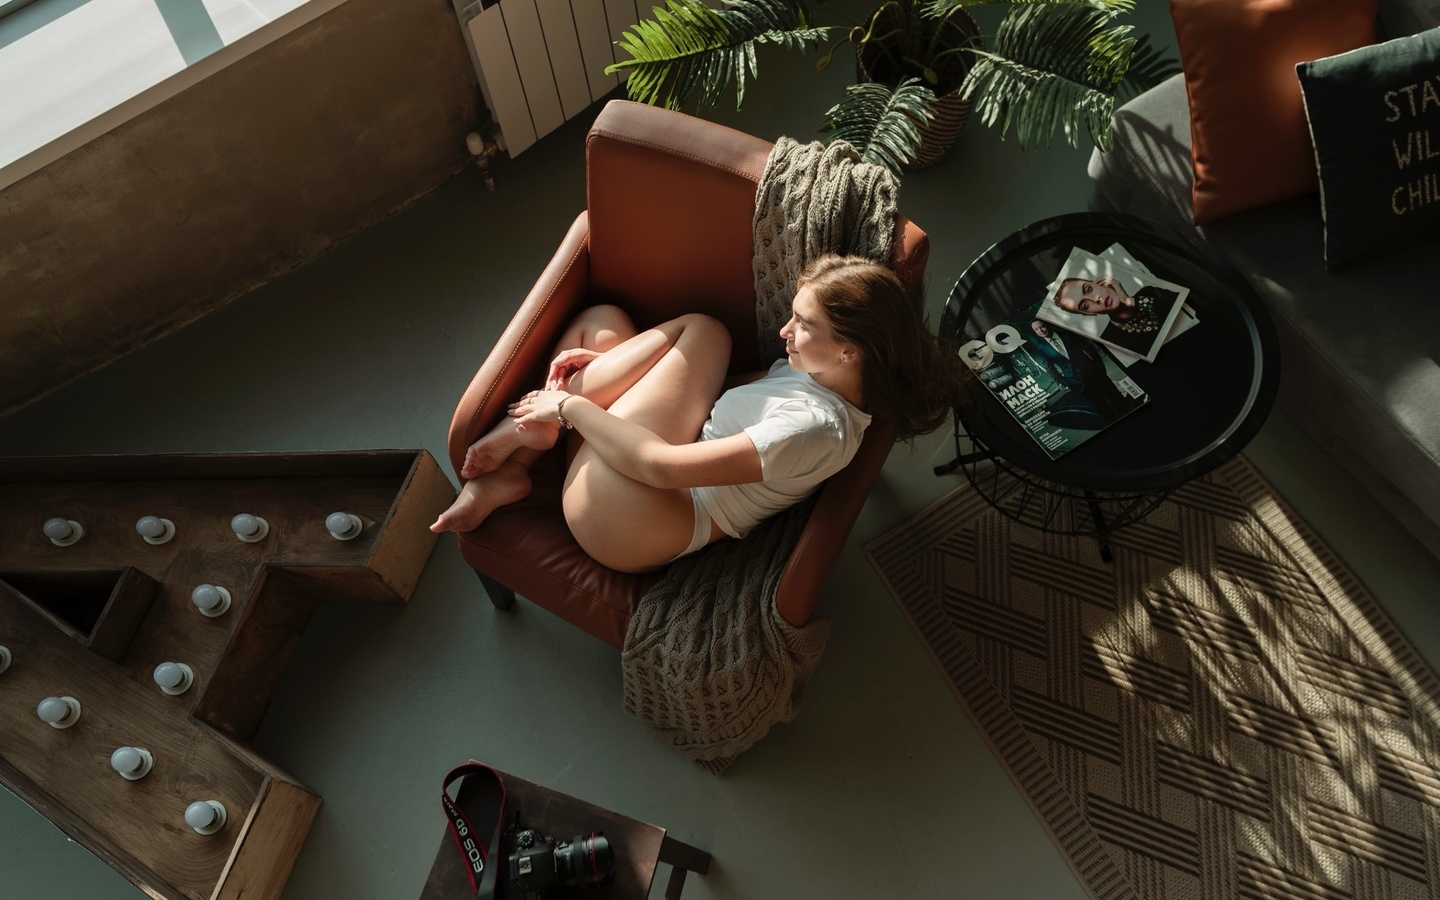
{"points": [[835, 512], [517, 362]]}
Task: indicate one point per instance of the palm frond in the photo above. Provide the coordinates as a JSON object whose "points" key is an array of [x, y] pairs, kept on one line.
{"points": [[1148, 67], [883, 124], [1113, 7], [688, 45], [1036, 80]]}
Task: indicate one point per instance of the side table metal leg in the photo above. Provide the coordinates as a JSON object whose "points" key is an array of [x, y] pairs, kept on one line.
{"points": [[953, 464], [961, 460], [1102, 530], [985, 453]]}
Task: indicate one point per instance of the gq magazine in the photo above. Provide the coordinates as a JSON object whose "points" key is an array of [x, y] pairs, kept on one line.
{"points": [[1063, 387]]}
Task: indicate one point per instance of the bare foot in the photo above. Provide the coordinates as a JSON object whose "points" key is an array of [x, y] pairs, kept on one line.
{"points": [[486, 454], [483, 495]]}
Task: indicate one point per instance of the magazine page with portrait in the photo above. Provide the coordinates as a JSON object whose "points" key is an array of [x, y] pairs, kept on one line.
{"points": [[1063, 388], [1123, 307], [1187, 319]]}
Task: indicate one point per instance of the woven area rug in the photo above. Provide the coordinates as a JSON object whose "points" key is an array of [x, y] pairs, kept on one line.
{"points": [[1223, 713]]}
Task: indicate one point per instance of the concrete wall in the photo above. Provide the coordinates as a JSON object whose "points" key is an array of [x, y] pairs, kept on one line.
{"points": [[226, 185]]}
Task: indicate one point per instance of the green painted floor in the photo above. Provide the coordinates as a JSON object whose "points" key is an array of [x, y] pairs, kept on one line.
{"points": [[881, 788]]}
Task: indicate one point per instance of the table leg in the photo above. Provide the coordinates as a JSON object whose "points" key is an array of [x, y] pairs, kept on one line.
{"points": [[682, 858], [962, 458], [1102, 529], [676, 884], [502, 597]]}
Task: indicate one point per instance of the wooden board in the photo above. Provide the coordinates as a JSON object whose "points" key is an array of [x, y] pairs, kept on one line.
{"points": [[108, 609]]}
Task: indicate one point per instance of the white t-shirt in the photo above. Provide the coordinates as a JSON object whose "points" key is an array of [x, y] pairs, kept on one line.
{"points": [[804, 431]]}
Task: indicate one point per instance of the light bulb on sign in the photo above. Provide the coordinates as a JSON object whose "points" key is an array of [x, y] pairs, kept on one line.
{"points": [[174, 678], [344, 526], [250, 528], [155, 529], [205, 816], [211, 599], [59, 712], [63, 532], [132, 763]]}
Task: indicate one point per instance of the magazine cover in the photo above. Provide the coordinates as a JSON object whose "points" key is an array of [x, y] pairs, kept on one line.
{"points": [[1120, 306], [1062, 387], [1183, 322]]}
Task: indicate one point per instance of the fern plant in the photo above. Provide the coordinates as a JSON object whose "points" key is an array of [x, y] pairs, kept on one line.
{"points": [[1053, 65]]}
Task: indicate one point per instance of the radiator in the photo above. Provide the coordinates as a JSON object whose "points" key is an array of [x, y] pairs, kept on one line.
{"points": [[542, 62]]}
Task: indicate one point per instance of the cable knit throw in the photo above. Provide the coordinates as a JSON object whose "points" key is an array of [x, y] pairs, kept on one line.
{"points": [[814, 199], [708, 659]]}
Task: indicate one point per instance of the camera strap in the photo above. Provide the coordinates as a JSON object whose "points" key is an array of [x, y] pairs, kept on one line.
{"points": [[475, 851]]}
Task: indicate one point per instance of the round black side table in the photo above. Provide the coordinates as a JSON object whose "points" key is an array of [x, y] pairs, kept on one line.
{"points": [[1210, 388]]}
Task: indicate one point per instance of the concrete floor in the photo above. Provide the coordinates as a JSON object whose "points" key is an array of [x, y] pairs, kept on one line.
{"points": [[881, 788]]}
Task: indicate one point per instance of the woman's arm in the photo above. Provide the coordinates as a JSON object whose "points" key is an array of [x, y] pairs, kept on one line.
{"points": [[637, 452]]}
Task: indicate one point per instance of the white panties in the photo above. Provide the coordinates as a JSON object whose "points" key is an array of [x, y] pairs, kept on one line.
{"points": [[701, 537]]}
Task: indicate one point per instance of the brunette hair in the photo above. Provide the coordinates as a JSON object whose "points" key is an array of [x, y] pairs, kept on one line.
{"points": [[1060, 289], [908, 377]]}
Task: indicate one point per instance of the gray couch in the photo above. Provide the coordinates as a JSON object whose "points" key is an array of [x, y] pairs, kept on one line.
{"points": [[1360, 347]]}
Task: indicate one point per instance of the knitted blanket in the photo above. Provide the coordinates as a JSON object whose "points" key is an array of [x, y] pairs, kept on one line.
{"points": [[814, 199], [708, 659]]}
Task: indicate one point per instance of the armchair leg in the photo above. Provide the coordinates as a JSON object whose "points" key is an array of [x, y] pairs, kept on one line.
{"points": [[499, 594]]}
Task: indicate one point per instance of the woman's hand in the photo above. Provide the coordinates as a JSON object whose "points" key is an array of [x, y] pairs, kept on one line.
{"points": [[537, 406], [1110, 281], [566, 364]]}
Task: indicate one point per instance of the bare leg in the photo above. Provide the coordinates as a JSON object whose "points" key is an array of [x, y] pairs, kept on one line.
{"points": [[481, 496], [502, 441], [622, 523], [599, 328], [501, 460]]}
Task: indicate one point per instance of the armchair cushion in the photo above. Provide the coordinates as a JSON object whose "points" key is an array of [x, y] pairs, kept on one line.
{"points": [[670, 200]]}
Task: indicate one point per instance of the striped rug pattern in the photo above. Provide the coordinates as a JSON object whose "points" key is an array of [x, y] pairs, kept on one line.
{"points": [[1223, 713]]}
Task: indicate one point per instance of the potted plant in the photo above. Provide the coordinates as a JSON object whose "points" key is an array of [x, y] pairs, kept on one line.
{"points": [[1050, 64], [903, 42]]}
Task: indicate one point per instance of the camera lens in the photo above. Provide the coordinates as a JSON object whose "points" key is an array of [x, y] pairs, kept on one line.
{"points": [[584, 859]]}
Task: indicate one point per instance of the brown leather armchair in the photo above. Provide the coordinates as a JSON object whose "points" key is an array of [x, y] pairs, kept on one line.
{"points": [[667, 230]]}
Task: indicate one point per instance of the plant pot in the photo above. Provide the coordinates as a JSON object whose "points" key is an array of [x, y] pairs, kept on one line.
{"points": [[939, 134]]}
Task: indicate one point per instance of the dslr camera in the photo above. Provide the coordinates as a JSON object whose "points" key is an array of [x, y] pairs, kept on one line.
{"points": [[539, 863]]}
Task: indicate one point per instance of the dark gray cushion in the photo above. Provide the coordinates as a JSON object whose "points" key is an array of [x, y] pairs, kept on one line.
{"points": [[1374, 117], [1363, 342]]}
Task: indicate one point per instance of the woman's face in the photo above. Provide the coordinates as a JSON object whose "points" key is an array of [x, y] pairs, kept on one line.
{"points": [[810, 342], [1091, 298]]}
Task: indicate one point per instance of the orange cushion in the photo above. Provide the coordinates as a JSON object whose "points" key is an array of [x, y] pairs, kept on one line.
{"points": [[1249, 141]]}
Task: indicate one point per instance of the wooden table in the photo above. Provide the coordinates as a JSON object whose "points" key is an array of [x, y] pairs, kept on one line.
{"points": [[639, 846]]}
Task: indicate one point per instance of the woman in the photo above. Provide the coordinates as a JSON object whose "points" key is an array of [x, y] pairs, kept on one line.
{"points": [[668, 464], [1106, 296]]}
